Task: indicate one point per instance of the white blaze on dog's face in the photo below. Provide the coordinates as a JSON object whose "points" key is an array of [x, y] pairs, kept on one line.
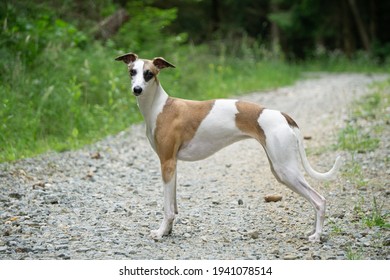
{"points": [[143, 73]]}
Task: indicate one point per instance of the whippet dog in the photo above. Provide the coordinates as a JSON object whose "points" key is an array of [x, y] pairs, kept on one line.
{"points": [[189, 130]]}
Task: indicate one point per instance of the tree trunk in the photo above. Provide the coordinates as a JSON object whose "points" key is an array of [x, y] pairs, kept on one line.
{"points": [[347, 38], [110, 25], [215, 18], [360, 25], [373, 20], [275, 32]]}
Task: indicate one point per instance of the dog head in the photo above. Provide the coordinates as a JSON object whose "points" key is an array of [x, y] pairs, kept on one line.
{"points": [[143, 72]]}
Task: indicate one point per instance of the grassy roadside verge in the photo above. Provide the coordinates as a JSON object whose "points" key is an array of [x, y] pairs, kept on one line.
{"points": [[365, 175]]}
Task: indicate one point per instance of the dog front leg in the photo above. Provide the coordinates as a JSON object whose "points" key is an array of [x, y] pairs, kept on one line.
{"points": [[170, 207]]}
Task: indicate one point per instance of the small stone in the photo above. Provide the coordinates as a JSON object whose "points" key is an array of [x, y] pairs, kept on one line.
{"points": [[204, 238], [82, 250], [338, 215], [15, 195], [64, 256], [275, 252], [254, 234], [61, 247], [290, 257], [3, 248], [316, 256], [240, 202], [151, 203], [304, 248], [96, 155], [273, 198]]}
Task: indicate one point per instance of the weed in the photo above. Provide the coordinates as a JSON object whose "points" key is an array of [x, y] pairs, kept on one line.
{"points": [[352, 254], [354, 173], [376, 216], [335, 228]]}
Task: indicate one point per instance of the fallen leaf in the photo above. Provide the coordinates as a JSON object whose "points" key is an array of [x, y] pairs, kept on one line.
{"points": [[273, 198]]}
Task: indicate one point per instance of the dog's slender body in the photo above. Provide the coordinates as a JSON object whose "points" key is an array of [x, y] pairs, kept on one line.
{"points": [[188, 130]]}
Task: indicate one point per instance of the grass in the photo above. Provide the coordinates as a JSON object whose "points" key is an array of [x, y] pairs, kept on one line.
{"points": [[352, 254], [368, 118], [62, 105], [376, 217], [372, 215], [353, 139]]}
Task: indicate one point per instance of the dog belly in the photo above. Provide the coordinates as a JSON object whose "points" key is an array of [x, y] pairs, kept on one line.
{"points": [[200, 149]]}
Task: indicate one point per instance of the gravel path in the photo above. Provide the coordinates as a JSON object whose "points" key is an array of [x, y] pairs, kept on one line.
{"points": [[100, 202]]}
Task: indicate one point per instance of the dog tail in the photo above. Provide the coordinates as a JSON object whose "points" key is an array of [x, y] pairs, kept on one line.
{"points": [[313, 173]]}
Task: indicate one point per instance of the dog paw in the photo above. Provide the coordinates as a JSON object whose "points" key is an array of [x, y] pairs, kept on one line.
{"points": [[314, 238], [155, 235]]}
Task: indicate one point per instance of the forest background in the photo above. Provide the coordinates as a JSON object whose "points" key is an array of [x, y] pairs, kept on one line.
{"points": [[60, 87]]}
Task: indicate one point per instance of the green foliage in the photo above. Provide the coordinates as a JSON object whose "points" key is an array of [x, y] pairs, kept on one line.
{"points": [[72, 102], [26, 34], [146, 31]]}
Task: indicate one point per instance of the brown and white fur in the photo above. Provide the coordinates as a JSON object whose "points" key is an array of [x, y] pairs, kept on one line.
{"points": [[189, 130]]}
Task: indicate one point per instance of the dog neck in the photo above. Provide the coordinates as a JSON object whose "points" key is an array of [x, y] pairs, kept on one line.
{"points": [[151, 102]]}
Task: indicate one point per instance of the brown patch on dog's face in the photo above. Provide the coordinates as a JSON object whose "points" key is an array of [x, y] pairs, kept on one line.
{"points": [[150, 70], [247, 120]]}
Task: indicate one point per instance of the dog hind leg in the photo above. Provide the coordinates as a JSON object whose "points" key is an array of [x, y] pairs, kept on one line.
{"points": [[296, 182], [281, 149]]}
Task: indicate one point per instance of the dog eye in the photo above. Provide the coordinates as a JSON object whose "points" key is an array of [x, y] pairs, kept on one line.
{"points": [[148, 75], [133, 72]]}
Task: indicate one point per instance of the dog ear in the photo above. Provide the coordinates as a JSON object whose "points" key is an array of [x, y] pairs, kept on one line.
{"points": [[127, 58], [161, 63]]}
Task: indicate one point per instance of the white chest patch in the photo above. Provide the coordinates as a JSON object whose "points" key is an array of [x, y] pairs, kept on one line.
{"points": [[215, 132]]}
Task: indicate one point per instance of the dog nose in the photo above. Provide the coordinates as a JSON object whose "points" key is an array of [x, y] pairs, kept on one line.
{"points": [[137, 90]]}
